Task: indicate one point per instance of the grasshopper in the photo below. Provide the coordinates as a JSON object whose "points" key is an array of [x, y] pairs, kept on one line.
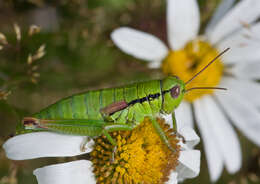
{"points": [[98, 112]]}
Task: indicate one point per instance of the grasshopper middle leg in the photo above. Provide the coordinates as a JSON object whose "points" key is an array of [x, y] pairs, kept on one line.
{"points": [[112, 128]]}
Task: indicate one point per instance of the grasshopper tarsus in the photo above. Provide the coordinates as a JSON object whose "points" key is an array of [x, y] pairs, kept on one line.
{"points": [[84, 143], [112, 160]]}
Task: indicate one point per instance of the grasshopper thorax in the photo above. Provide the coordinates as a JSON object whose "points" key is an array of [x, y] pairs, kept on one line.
{"points": [[173, 90]]}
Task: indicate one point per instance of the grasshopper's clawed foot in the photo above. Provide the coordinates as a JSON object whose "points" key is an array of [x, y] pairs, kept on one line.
{"points": [[171, 148], [84, 143], [113, 154], [169, 145], [180, 136]]}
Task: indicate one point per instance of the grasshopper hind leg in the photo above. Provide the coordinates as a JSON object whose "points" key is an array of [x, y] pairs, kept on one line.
{"points": [[83, 127]]}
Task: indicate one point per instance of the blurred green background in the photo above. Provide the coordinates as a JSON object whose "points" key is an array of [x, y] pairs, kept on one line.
{"points": [[80, 56]]}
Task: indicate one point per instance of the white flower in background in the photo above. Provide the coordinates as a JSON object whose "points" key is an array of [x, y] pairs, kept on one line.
{"points": [[133, 162], [233, 27]]}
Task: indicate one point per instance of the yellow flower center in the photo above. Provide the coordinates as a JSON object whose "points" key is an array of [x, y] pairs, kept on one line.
{"points": [[141, 156], [191, 59]]}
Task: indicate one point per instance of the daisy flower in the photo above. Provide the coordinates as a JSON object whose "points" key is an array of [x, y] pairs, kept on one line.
{"points": [[140, 157], [231, 26]]}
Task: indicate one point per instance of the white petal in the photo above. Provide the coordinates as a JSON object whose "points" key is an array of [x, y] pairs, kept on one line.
{"points": [[78, 172], [245, 12], [247, 70], [155, 64], [190, 136], [213, 154], [139, 44], [220, 12], [183, 20], [44, 144], [224, 134], [189, 166], [248, 90], [172, 178], [184, 117], [243, 114], [244, 45]]}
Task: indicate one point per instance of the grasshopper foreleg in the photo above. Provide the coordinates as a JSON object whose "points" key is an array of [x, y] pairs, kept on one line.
{"points": [[174, 125], [174, 122]]}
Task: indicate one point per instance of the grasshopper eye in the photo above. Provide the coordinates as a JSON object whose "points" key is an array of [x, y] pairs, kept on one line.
{"points": [[175, 91]]}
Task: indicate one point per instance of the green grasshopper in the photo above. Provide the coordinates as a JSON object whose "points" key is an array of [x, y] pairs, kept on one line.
{"points": [[98, 112]]}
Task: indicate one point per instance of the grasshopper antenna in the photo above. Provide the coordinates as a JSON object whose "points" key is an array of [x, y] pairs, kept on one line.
{"points": [[207, 66], [205, 88]]}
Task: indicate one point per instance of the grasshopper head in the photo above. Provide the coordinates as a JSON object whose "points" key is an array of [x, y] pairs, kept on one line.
{"points": [[173, 90]]}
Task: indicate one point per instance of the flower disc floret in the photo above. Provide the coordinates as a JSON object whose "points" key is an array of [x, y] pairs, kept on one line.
{"points": [[141, 156]]}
